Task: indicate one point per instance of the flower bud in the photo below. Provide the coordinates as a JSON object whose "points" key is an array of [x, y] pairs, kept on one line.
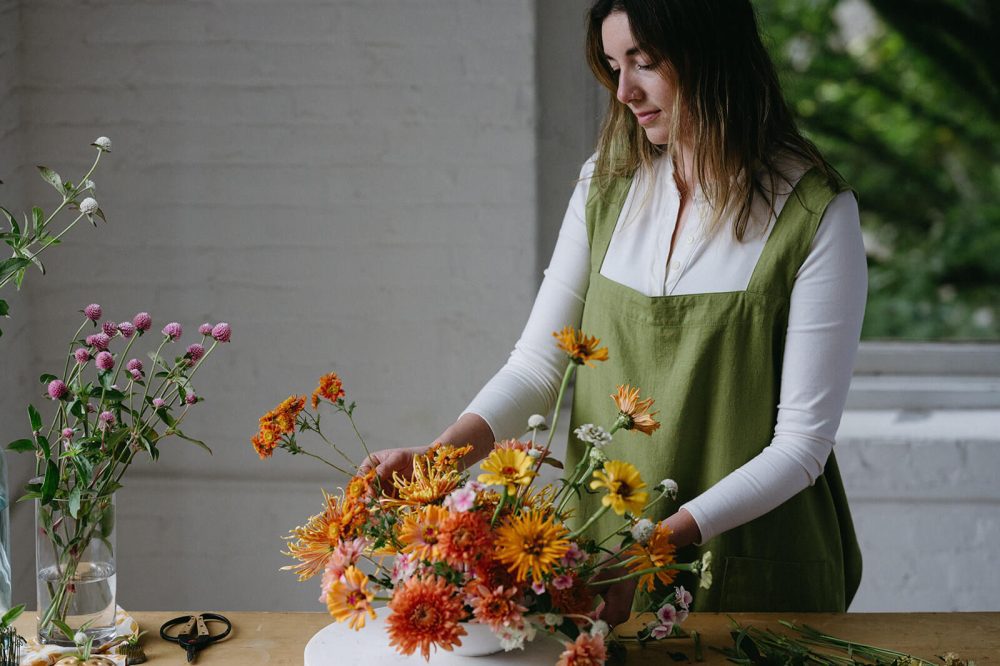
{"points": [[89, 206], [103, 143], [537, 422]]}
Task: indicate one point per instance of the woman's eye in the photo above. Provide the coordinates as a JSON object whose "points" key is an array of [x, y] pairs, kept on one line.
{"points": [[643, 68]]}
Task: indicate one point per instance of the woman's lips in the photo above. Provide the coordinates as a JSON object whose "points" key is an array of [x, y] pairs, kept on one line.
{"points": [[646, 117]]}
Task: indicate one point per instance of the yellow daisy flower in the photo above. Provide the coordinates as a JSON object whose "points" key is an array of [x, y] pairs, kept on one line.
{"points": [[530, 542], [635, 412], [581, 348], [507, 467], [624, 485], [349, 599]]}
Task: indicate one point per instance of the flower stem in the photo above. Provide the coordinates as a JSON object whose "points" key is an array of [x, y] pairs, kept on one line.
{"points": [[593, 519]]}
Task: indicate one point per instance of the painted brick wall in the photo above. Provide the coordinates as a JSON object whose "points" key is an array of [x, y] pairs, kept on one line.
{"points": [[350, 184]]}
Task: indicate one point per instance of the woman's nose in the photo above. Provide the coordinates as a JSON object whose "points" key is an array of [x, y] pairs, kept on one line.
{"points": [[627, 90]]}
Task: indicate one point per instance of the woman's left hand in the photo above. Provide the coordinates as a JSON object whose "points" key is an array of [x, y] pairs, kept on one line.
{"points": [[617, 597]]}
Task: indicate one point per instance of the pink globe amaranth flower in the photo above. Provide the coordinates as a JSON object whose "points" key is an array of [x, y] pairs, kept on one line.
{"points": [[222, 332], [159, 403], [58, 389], [106, 419], [90, 408], [190, 398], [127, 329], [195, 351], [205, 329], [81, 355], [105, 361], [134, 364], [142, 321], [172, 330], [110, 328], [67, 433], [93, 312], [136, 374], [98, 341]]}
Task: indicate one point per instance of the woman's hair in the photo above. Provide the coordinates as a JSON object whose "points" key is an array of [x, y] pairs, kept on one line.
{"points": [[728, 102]]}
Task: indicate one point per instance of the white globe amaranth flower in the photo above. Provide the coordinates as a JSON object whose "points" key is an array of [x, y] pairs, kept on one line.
{"points": [[553, 619], [534, 453], [102, 142], [597, 456], [600, 628], [642, 530], [80, 638], [593, 434], [89, 206], [537, 422], [669, 487], [704, 570]]}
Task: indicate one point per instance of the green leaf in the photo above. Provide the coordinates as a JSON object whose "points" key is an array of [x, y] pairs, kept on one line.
{"points": [[12, 265], [43, 442], [11, 615], [51, 177], [35, 418], [30, 495], [63, 627], [165, 416], [38, 217], [100, 214], [77, 409], [74, 501], [4, 309], [21, 445], [46, 378], [193, 441], [50, 483]]}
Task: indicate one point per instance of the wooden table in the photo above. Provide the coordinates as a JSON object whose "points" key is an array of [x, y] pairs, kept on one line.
{"points": [[278, 639]]}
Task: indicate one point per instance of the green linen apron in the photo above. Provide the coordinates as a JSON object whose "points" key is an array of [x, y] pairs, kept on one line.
{"points": [[713, 364]]}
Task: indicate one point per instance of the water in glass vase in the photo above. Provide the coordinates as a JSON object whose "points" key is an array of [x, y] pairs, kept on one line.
{"points": [[89, 601]]}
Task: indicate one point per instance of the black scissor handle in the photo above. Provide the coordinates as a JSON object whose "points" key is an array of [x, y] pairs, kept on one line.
{"points": [[195, 631]]}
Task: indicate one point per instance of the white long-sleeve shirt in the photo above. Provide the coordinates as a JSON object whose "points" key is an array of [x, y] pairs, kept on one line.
{"points": [[824, 325]]}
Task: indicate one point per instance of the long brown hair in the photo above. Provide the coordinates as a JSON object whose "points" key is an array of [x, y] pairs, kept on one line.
{"points": [[728, 101]]}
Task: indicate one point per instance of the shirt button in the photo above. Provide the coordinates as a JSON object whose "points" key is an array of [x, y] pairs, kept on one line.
{"points": [[675, 265], [690, 240]]}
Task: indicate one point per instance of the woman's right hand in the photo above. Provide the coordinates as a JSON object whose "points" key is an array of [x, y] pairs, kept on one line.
{"points": [[388, 461]]}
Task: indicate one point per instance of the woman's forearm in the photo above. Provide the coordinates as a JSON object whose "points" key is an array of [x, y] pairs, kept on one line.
{"points": [[470, 429]]}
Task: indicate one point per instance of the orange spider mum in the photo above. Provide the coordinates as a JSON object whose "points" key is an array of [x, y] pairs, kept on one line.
{"points": [[464, 537], [420, 532], [633, 412], [530, 542], [582, 349], [656, 552], [315, 542], [349, 599], [497, 607], [431, 481], [330, 388], [425, 612]]}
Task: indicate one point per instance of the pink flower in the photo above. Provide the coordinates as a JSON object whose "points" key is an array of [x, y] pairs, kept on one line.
{"points": [[222, 332], [403, 568], [205, 329], [142, 321], [81, 355], [106, 420], [98, 341], [67, 433], [661, 631], [562, 582], [538, 588], [127, 329], [136, 374], [134, 364], [461, 500], [195, 352], [587, 650], [667, 614], [172, 330], [682, 597], [190, 398], [110, 328], [93, 312], [105, 361], [159, 403], [573, 556], [57, 389]]}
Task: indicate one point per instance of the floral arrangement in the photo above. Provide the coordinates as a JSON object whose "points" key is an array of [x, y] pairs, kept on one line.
{"points": [[443, 549], [28, 241], [107, 410]]}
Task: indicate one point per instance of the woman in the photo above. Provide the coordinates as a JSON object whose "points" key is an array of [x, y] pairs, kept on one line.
{"points": [[719, 257]]}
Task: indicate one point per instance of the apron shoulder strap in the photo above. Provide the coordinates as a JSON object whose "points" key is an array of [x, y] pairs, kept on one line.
{"points": [[604, 206], [791, 239]]}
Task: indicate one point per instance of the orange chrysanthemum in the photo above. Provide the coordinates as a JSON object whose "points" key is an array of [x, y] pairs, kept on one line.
{"points": [[420, 532], [434, 476], [464, 537], [492, 572], [531, 543], [330, 388], [582, 349], [657, 552], [577, 599], [276, 423], [362, 486], [349, 599], [496, 607], [586, 650], [634, 413], [425, 612], [266, 440], [315, 542]]}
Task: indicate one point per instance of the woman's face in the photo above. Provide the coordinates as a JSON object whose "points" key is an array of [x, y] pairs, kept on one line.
{"points": [[641, 86]]}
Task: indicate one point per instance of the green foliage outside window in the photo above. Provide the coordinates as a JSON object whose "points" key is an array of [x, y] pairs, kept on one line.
{"points": [[902, 97]]}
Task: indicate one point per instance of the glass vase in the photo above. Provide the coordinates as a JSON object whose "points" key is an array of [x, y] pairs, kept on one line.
{"points": [[75, 569], [5, 571]]}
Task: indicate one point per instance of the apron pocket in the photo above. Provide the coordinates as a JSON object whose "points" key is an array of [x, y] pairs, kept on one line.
{"points": [[751, 584]]}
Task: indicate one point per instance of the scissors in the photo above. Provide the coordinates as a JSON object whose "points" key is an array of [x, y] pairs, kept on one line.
{"points": [[194, 634]]}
